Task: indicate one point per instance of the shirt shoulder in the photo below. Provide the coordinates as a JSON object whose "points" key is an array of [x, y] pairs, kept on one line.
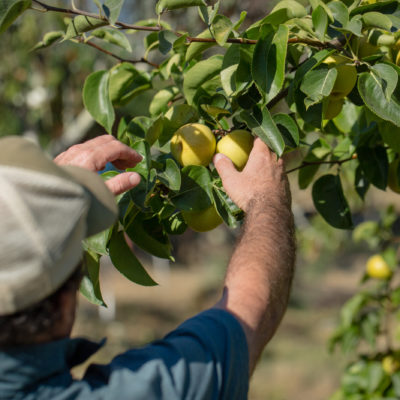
{"points": [[204, 358]]}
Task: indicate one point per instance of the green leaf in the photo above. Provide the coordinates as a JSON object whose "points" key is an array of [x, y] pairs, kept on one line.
{"points": [[141, 193], [240, 21], [166, 39], [375, 165], [113, 36], [10, 10], [354, 26], [147, 232], [243, 77], [340, 13], [112, 9], [221, 28], [361, 183], [48, 39], [229, 67], [90, 285], [163, 5], [378, 20], [207, 14], [98, 243], [347, 119], [330, 202], [318, 83], [154, 131], [161, 99], [225, 207], [372, 90], [268, 67], [213, 111], [97, 101], [195, 192], [319, 3], [293, 9], [263, 126], [366, 231], [82, 24], [126, 82], [390, 135], [175, 224], [351, 309], [126, 262], [197, 48], [98, 4], [320, 22], [288, 129], [171, 177], [199, 74], [389, 76], [142, 147], [313, 62], [384, 7]]}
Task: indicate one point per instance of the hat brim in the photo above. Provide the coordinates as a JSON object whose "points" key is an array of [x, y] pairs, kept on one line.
{"points": [[103, 208]]}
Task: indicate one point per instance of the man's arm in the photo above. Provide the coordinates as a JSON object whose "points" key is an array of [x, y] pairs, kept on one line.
{"points": [[260, 272], [96, 153]]}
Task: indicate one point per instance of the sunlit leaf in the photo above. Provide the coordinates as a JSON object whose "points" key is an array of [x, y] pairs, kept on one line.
{"points": [[97, 99]]}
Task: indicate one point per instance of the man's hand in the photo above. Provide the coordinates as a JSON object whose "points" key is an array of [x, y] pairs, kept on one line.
{"points": [[96, 153], [262, 179]]}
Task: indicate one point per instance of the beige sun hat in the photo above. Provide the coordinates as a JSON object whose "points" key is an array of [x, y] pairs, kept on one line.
{"points": [[46, 211]]}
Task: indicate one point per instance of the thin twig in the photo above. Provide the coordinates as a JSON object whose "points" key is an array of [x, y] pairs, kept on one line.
{"points": [[120, 59], [189, 39], [333, 162]]}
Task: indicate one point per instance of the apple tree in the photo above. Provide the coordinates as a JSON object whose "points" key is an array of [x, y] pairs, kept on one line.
{"points": [[317, 81]]}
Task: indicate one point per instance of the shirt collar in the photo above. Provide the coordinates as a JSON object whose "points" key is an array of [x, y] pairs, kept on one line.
{"points": [[23, 366]]}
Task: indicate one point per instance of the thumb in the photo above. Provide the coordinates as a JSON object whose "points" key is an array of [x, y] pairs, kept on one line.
{"points": [[225, 168], [123, 182]]}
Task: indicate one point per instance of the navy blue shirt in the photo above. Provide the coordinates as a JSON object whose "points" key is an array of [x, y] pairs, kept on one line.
{"points": [[204, 358]]}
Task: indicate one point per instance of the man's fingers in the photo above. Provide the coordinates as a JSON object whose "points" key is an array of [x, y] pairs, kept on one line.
{"points": [[260, 155], [123, 182], [117, 153], [225, 168]]}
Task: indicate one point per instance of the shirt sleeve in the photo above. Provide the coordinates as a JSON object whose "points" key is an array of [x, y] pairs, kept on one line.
{"points": [[204, 358]]}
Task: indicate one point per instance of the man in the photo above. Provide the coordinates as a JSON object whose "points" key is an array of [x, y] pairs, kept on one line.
{"points": [[47, 209]]}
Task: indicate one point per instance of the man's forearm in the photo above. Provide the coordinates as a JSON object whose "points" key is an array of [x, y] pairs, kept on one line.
{"points": [[260, 272]]}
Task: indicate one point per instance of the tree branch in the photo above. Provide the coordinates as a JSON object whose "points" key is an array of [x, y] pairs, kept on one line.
{"points": [[189, 39], [333, 162], [142, 60]]}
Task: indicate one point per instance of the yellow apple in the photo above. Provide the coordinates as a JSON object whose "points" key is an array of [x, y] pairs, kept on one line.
{"points": [[237, 146], [193, 144], [332, 107], [390, 364], [398, 58], [204, 220], [393, 182], [346, 75], [378, 268]]}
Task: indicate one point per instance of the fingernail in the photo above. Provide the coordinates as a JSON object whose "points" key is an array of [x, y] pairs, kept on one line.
{"points": [[134, 178], [218, 157]]}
